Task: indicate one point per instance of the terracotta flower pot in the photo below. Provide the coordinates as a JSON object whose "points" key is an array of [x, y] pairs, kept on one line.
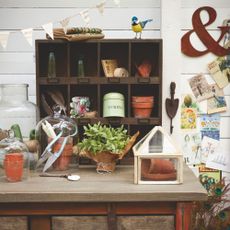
{"points": [[13, 165], [63, 161], [142, 109], [139, 99]]}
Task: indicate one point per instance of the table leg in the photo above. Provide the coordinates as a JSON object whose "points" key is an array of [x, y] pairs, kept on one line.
{"points": [[39, 222], [183, 215]]}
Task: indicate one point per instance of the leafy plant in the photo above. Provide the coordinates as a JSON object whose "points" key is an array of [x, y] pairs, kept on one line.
{"points": [[99, 138]]}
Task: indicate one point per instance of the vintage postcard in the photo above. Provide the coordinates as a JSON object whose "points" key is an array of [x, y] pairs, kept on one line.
{"points": [[189, 101], [190, 143], [188, 118], [200, 87], [208, 147], [220, 72], [208, 176], [210, 125], [217, 103], [220, 159]]}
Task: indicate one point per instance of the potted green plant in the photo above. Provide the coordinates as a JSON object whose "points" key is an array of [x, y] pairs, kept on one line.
{"points": [[105, 144]]}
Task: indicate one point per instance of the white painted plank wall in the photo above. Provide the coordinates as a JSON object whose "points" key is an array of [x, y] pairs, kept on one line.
{"points": [[17, 62], [192, 66]]}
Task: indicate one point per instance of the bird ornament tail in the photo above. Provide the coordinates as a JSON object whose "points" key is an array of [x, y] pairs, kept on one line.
{"points": [[143, 23]]}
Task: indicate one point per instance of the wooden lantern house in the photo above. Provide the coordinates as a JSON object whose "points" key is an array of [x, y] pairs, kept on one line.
{"points": [[157, 159]]}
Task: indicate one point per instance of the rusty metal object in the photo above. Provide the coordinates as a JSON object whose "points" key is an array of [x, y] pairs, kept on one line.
{"points": [[172, 105]]}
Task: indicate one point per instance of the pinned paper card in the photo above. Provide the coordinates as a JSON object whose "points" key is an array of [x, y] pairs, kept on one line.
{"points": [[191, 147], [220, 159], [101, 7], [210, 125], [188, 118], [218, 71], [4, 38], [85, 16], [64, 23], [207, 148], [49, 29], [28, 34], [217, 103], [200, 87]]}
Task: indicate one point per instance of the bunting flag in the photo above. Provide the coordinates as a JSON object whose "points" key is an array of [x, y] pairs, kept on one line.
{"points": [[101, 7], [64, 23], [117, 2], [85, 16], [28, 34], [4, 38], [49, 29]]}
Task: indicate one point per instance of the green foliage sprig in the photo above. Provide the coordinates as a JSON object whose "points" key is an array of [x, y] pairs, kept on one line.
{"points": [[99, 138]]}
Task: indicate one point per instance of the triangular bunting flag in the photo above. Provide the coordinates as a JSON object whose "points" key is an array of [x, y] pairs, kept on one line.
{"points": [[100, 7], [4, 38], [117, 2], [28, 33], [49, 29], [85, 16], [64, 23]]}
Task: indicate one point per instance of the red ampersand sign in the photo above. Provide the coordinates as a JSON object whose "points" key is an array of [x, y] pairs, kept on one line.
{"points": [[199, 28]]}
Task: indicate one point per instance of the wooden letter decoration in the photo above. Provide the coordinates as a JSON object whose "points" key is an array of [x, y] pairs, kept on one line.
{"points": [[199, 28]]}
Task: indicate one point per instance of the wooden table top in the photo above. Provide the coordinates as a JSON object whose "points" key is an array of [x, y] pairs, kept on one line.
{"points": [[93, 187]]}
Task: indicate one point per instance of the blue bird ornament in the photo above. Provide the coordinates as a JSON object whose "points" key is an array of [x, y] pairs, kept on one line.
{"points": [[138, 26]]}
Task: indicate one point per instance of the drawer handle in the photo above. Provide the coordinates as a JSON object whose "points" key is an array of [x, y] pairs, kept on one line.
{"points": [[114, 120], [84, 121], [143, 80], [114, 80], [83, 80], [52, 80], [143, 121]]}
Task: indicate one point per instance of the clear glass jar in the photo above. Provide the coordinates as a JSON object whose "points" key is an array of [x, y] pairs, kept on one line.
{"points": [[16, 109], [56, 133], [14, 160]]}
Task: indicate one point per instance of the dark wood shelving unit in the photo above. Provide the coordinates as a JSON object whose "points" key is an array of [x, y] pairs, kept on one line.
{"points": [[128, 53]]}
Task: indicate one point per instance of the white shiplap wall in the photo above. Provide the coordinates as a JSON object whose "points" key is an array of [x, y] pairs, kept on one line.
{"points": [[172, 18]]}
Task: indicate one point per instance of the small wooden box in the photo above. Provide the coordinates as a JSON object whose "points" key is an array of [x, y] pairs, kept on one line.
{"points": [[157, 159]]}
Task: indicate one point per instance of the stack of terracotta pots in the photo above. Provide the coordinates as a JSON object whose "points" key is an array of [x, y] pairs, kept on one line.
{"points": [[142, 106]]}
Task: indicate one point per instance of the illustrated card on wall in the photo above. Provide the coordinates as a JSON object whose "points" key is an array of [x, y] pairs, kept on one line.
{"points": [[188, 118], [208, 176], [200, 87], [217, 103], [220, 159], [191, 147], [210, 125], [208, 147], [219, 72], [189, 101]]}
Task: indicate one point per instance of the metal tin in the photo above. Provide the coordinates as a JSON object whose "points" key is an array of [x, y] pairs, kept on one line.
{"points": [[113, 105]]}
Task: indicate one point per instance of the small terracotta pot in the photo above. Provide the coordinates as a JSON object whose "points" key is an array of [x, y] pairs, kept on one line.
{"points": [[13, 165], [142, 110], [142, 99], [63, 161]]}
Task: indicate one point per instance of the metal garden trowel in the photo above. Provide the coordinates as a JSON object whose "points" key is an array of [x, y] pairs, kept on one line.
{"points": [[171, 105]]}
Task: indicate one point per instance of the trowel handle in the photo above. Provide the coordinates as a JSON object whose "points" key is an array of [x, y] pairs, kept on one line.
{"points": [[172, 89]]}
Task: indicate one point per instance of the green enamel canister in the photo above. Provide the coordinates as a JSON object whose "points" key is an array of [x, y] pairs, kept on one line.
{"points": [[113, 105]]}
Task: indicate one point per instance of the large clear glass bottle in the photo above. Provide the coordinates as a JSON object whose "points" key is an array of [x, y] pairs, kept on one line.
{"points": [[16, 109]]}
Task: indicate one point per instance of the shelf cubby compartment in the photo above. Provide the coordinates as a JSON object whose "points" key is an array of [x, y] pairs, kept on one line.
{"points": [[148, 90], [60, 52], [117, 51], [86, 91], [45, 93], [88, 52], [115, 88], [150, 51]]}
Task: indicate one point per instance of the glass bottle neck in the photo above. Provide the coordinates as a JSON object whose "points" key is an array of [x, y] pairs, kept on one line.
{"points": [[14, 92]]}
